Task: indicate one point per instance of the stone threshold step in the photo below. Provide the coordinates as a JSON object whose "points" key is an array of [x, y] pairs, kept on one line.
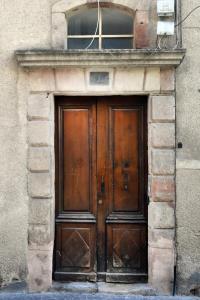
{"points": [[102, 287]]}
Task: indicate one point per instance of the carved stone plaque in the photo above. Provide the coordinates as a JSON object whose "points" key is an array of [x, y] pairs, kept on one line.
{"points": [[99, 78]]}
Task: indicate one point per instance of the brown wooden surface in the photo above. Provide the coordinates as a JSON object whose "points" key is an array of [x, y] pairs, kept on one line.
{"points": [[75, 247], [77, 160], [124, 155], [101, 182]]}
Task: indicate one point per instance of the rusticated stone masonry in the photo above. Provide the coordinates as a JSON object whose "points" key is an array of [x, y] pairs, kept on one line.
{"points": [[162, 190], [158, 84], [40, 188]]}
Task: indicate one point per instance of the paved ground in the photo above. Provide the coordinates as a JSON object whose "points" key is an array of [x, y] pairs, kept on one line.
{"points": [[80, 296], [86, 291]]}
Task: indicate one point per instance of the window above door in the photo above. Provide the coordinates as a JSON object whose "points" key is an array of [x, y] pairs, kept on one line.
{"points": [[103, 28]]}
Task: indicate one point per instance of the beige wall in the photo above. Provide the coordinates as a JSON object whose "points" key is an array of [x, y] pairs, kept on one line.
{"points": [[24, 25], [188, 158], [27, 25]]}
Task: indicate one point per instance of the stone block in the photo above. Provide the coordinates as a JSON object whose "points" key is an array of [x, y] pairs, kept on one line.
{"points": [[167, 77], [129, 291], [59, 30], [39, 211], [72, 80], [141, 29], [39, 133], [39, 270], [63, 5], [38, 106], [161, 238], [161, 269], [39, 185], [152, 79], [163, 188], [163, 135], [163, 162], [149, 185], [149, 157], [149, 109], [39, 159], [42, 80], [129, 80], [41, 247], [161, 215], [39, 234], [163, 108]]}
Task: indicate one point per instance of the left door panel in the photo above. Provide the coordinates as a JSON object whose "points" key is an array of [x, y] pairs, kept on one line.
{"points": [[75, 243]]}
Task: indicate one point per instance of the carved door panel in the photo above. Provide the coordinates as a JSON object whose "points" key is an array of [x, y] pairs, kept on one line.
{"points": [[75, 231], [122, 210], [101, 167]]}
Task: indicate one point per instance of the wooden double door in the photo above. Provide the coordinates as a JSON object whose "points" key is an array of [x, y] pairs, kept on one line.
{"points": [[101, 189]]}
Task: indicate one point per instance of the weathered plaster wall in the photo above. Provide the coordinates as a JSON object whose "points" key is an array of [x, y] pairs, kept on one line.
{"points": [[24, 24], [188, 158]]}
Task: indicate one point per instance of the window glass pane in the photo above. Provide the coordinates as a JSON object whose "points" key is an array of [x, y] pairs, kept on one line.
{"points": [[116, 22], [117, 43], [83, 23], [82, 43]]}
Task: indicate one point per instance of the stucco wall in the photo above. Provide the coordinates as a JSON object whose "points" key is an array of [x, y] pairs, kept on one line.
{"points": [[27, 25], [188, 158], [24, 24]]}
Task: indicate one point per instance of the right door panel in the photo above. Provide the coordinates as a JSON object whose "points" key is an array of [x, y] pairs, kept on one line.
{"points": [[126, 216]]}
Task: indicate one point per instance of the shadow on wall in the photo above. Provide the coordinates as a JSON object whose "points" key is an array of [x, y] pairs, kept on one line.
{"points": [[195, 284]]}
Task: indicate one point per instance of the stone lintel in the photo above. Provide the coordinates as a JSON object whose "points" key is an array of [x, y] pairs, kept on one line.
{"points": [[108, 58]]}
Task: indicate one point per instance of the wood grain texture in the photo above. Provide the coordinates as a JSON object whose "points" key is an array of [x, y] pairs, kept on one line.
{"points": [[127, 248], [125, 159], [76, 160], [101, 189]]}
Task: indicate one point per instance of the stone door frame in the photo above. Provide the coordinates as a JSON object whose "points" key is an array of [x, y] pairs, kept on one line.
{"points": [[45, 81]]}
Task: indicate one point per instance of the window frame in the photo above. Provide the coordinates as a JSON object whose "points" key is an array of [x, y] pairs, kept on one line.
{"points": [[99, 36]]}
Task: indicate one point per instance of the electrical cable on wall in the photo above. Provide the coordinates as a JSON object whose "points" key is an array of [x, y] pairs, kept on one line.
{"points": [[184, 19], [158, 42], [97, 27], [164, 37]]}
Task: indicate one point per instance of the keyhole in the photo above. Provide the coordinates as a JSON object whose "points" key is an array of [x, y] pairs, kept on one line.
{"points": [[126, 187], [126, 179]]}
